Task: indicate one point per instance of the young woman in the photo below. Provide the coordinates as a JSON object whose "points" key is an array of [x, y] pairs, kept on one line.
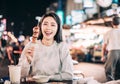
{"points": [[48, 56]]}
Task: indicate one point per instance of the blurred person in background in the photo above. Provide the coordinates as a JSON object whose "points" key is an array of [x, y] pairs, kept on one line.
{"points": [[8, 59], [111, 43], [17, 49], [1, 52], [3, 44], [50, 55]]}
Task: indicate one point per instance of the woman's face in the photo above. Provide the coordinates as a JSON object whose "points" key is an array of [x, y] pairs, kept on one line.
{"points": [[49, 28]]}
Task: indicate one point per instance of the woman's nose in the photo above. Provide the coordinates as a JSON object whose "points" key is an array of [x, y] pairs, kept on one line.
{"points": [[49, 27]]}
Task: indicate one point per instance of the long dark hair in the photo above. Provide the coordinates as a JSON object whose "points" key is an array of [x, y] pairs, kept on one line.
{"points": [[58, 36]]}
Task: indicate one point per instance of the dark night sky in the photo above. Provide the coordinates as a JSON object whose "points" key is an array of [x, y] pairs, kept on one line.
{"points": [[22, 13]]}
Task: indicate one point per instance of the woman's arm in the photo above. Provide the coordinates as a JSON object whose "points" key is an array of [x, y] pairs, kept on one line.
{"points": [[23, 62]]}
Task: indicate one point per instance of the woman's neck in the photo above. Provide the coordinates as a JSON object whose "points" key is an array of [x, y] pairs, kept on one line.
{"points": [[47, 42], [34, 40]]}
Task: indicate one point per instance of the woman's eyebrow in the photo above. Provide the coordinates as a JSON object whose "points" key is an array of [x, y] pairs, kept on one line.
{"points": [[53, 22], [45, 22], [50, 22]]}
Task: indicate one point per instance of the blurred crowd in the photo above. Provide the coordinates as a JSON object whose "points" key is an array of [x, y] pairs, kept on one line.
{"points": [[11, 47]]}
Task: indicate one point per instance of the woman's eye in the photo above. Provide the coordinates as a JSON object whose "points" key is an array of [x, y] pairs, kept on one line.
{"points": [[44, 24], [52, 25]]}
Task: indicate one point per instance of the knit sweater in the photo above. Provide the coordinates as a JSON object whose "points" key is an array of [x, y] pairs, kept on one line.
{"points": [[54, 61]]}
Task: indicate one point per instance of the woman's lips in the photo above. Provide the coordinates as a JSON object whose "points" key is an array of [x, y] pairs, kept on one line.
{"points": [[48, 33]]}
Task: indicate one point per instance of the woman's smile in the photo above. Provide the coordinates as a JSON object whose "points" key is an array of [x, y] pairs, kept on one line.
{"points": [[48, 33]]}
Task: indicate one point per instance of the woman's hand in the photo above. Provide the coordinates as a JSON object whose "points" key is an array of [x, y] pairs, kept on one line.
{"points": [[29, 54]]}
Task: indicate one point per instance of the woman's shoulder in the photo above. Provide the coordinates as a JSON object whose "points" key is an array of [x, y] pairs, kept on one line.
{"points": [[63, 45], [31, 43]]}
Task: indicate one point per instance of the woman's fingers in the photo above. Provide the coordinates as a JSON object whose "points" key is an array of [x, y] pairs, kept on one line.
{"points": [[29, 54], [29, 58]]}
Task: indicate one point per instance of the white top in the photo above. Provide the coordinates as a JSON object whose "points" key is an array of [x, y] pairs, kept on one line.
{"points": [[54, 61], [112, 39]]}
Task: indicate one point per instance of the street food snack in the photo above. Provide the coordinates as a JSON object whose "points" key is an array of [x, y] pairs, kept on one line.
{"points": [[36, 32]]}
